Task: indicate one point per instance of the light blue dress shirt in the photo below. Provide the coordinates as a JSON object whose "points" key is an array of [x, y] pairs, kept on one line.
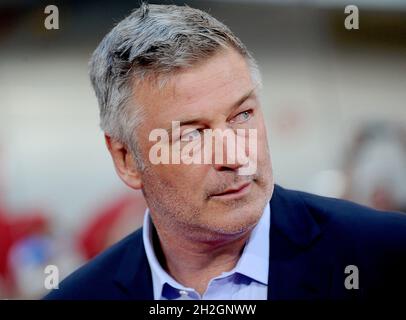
{"points": [[248, 280]]}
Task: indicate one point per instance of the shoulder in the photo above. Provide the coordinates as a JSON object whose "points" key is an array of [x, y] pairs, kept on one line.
{"points": [[96, 279], [353, 214], [351, 234], [353, 222]]}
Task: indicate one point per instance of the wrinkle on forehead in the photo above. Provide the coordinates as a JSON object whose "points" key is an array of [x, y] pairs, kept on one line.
{"points": [[218, 81], [222, 80]]}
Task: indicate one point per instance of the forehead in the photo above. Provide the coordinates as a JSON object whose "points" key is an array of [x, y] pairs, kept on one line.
{"points": [[205, 89]]}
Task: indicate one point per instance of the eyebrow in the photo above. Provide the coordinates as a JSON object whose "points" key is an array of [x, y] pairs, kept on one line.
{"points": [[234, 106]]}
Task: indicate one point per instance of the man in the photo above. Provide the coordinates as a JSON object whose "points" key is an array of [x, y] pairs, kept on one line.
{"points": [[211, 231]]}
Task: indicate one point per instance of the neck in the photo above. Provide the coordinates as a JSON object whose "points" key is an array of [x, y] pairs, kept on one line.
{"points": [[194, 263]]}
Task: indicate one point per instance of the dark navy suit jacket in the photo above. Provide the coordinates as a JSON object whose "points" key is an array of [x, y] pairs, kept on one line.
{"points": [[312, 240]]}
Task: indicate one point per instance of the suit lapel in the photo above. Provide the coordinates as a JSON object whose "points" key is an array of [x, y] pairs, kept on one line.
{"points": [[297, 270], [133, 276]]}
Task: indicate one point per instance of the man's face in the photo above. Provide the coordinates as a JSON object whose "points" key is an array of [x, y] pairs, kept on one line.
{"points": [[202, 200]]}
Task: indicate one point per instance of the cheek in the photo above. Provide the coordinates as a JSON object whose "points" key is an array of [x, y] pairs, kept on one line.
{"points": [[183, 176]]}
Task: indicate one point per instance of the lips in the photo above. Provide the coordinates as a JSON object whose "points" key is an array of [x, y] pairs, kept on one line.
{"points": [[235, 191]]}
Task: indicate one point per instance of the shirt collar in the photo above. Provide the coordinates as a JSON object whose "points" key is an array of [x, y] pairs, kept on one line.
{"points": [[159, 275], [253, 263]]}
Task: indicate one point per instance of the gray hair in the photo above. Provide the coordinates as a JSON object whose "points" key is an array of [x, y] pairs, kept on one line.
{"points": [[153, 41]]}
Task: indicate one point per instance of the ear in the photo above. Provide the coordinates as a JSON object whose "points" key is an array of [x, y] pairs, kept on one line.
{"points": [[124, 162]]}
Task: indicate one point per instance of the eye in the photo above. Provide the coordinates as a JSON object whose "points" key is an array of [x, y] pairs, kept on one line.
{"points": [[190, 134], [243, 116]]}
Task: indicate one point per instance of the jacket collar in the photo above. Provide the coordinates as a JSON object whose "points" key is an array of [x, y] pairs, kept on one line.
{"points": [[291, 217], [296, 269], [133, 275]]}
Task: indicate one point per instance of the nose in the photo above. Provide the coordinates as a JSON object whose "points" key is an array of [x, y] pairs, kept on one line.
{"points": [[229, 150]]}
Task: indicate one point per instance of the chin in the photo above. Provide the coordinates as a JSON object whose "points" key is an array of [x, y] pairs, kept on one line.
{"points": [[236, 220]]}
